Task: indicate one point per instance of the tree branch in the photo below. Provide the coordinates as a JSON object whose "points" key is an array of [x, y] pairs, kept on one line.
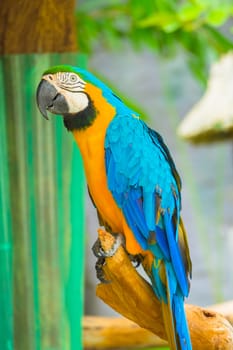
{"points": [[105, 333], [132, 296]]}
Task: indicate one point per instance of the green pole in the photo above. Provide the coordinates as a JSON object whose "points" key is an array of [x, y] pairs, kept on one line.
{"points": [[43, 191], [6, 290]]}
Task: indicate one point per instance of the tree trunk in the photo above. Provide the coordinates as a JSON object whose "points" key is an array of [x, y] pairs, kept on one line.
{"points": [[37, 26]]}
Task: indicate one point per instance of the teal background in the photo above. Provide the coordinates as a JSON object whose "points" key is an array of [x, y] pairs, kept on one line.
{"points": [[41, 215]]}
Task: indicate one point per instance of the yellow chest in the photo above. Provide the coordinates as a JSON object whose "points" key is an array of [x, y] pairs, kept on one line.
{"points": [[94, 165], [91, 145]]}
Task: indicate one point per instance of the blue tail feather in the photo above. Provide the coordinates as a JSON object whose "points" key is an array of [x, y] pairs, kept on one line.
{"points": [[176, 257], [169, 293], [181, 322]]}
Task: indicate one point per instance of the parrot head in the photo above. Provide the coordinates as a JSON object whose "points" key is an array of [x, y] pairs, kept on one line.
{"points": [[64, 90], [75, 94]]}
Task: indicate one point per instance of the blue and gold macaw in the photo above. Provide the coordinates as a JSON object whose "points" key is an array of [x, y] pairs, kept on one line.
{"points": [[132, 181]]}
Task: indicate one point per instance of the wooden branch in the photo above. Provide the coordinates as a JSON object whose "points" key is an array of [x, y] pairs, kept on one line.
{"points": [[106, 333], [226, 309], [131, 296], [102, 333]]}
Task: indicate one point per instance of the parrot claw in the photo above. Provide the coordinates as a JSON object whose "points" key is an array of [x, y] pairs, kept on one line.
{"points": [[135, 259], [100, 252], [99, 270], [97, 249]]}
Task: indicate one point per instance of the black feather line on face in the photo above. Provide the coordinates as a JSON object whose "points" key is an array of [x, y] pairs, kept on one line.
{"points": [[82, 119]]}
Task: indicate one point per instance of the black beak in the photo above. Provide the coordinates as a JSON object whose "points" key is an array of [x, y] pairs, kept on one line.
{"points": [[48, 99], [45, 95]]}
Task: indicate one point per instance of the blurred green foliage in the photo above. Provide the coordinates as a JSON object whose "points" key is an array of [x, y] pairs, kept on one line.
{"points": [[166, 26]]}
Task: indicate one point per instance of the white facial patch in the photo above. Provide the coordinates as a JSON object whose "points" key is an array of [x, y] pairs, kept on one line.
{"points": [[77, 101], [72, 87], [70, 81]]}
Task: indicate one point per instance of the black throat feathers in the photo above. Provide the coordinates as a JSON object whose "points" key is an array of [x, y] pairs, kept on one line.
{"points": [[82, 119]]}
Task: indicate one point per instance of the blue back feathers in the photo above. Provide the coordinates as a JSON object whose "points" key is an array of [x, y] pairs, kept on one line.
{"points": [[140, 172], [146, 186]]}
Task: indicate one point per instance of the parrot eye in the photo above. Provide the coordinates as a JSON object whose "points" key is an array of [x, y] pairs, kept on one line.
{"points": [[73, 78]]}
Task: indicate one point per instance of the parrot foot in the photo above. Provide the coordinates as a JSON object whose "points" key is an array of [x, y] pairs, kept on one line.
{"points": [[135, 259], [97, 249], [99, 270], [100, 252]]}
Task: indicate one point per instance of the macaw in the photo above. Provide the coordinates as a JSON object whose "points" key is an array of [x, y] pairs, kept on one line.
{"points": [[133, 183]]}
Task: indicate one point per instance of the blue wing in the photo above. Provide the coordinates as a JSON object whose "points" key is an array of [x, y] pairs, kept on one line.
{"points": [[145, 184]]}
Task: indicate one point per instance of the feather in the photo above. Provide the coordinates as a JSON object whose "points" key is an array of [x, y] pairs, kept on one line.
{"points": [[150, 200], [176, 257]]}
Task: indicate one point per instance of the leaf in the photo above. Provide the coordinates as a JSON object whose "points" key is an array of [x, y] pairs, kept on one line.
{"points": [[190, 12], [217, 40], [162, 25], [217, 17], [167, 21]]}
